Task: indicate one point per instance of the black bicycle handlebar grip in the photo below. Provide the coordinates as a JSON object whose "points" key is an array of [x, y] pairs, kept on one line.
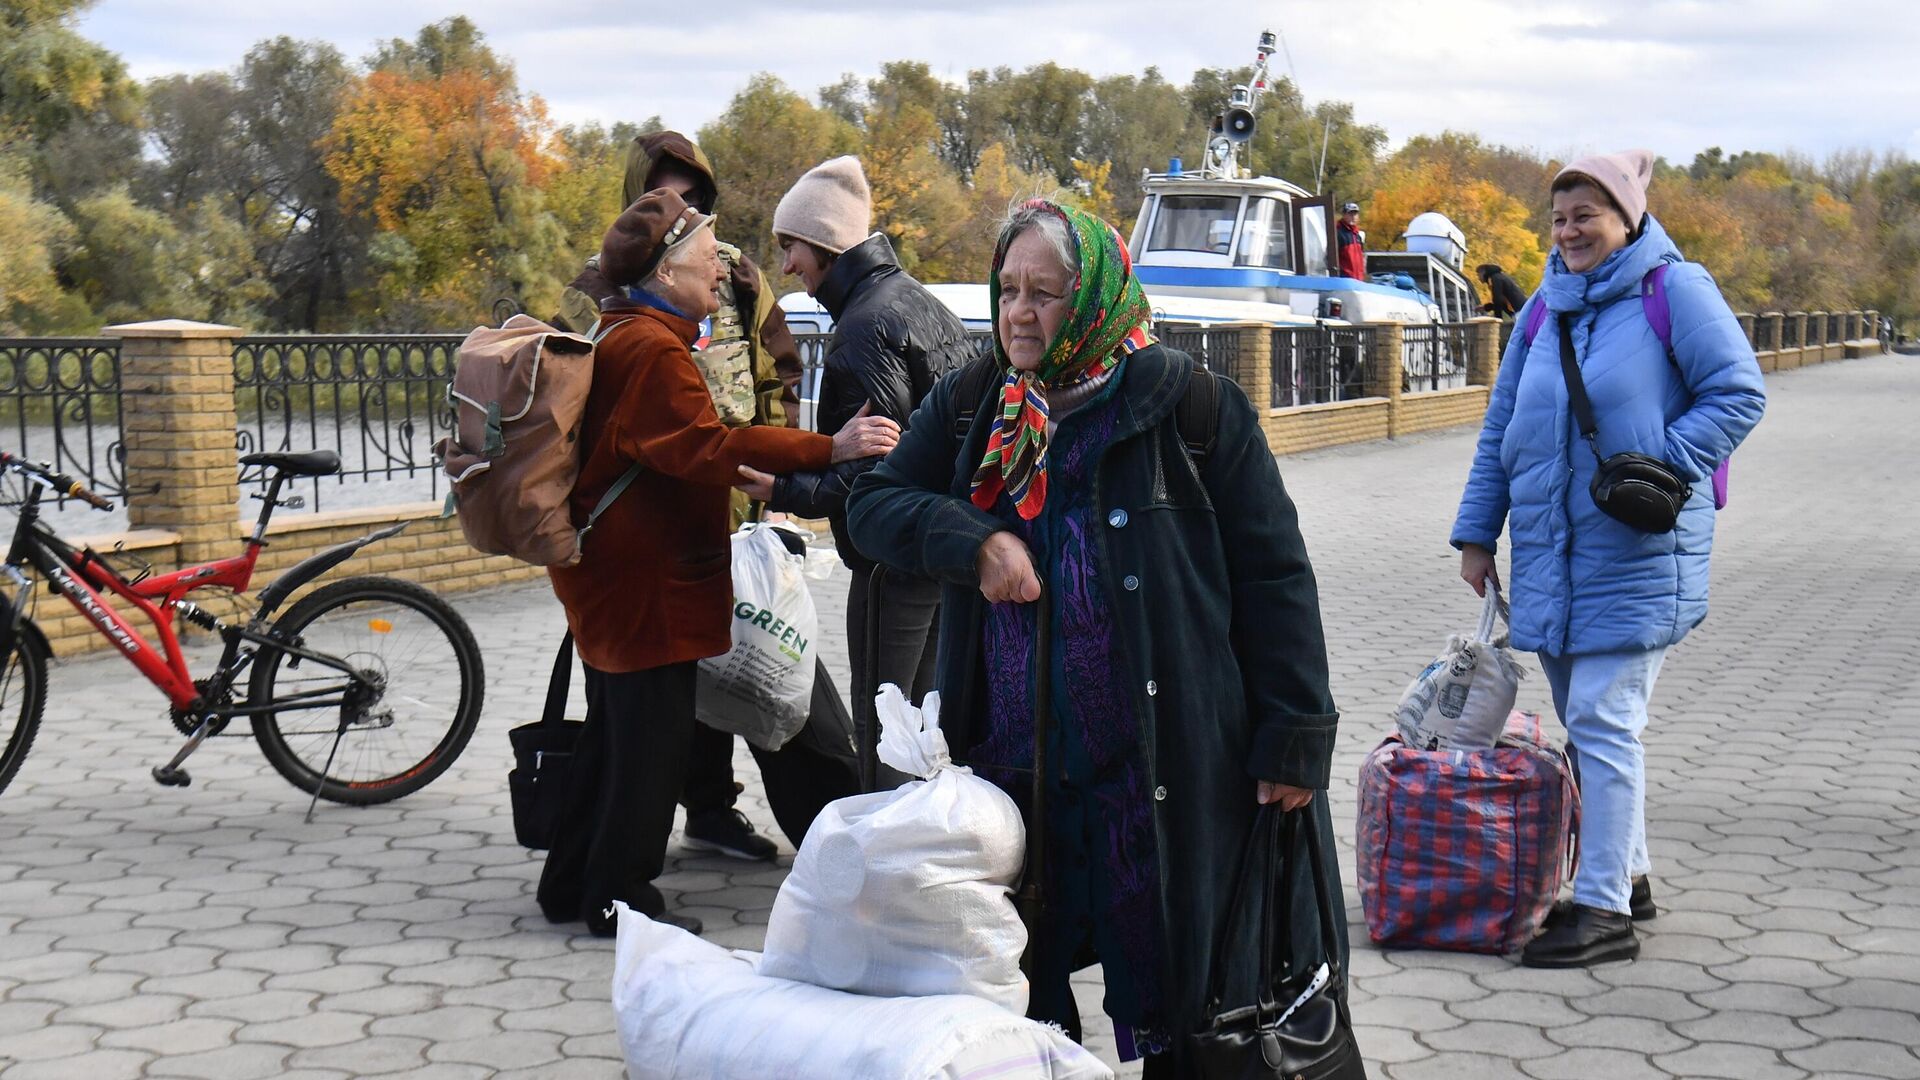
{"points": [[60, 482]]}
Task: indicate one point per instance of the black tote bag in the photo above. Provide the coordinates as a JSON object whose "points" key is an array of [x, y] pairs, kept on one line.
{"points": [[1295, 1030], [543, 760]]}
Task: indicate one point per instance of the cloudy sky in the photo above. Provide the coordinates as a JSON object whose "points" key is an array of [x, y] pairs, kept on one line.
{"points": [[1673, 75]]}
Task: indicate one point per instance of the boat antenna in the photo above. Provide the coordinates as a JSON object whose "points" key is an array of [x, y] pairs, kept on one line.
{"points": [[1233, 128], [1321, 176]]}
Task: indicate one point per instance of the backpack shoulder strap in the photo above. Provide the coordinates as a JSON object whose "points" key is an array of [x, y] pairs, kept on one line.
{"points": [[1197, 416], [1653, 301], [968, 389], [1536, 317], [601, 328]]}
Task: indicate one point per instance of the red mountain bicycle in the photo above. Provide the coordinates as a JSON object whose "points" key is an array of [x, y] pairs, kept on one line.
{"points": [[364, 691]]}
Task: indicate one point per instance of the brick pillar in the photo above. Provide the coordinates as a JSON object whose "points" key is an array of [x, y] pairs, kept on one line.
{"points": [[1483, 361], [1255, 371], [1770, 329], [1816, 338], [1797, 321], [1746, 326], [1386, 370], [183, 471], [1872, 330]]}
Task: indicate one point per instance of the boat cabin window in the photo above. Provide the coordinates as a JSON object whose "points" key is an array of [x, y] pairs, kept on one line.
{"points": [[1263, 236], [1195, 223]]}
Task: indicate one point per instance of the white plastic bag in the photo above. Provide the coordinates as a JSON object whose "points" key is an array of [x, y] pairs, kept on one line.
{"points": [[907, 892], [762, 688], [688, 1009], [1461, 700]]}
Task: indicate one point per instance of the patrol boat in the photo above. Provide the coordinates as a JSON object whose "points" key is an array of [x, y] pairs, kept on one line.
{"points": [[1221, 244]]}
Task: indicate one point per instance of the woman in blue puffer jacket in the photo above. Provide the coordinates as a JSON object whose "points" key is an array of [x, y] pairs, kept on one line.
{"points": [[1598, 600]]}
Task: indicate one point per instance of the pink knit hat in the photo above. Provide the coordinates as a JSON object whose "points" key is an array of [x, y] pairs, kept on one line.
{"points": [[1624, 176]]}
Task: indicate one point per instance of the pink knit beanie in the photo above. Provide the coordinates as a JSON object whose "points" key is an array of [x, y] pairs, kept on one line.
{"points": [[830, 206], [1624, 176]]}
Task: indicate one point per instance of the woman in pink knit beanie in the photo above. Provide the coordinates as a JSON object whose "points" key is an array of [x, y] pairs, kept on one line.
{"points": [[1672, 379]]}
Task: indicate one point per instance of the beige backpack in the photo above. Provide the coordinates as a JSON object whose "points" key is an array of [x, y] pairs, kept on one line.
{"points": [[519, 395]]}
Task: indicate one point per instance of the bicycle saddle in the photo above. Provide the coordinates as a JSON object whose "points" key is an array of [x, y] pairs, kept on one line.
{"points": [[311, 463]]}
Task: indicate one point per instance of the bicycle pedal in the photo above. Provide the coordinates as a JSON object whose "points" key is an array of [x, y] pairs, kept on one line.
{"points": [[166, 777]]}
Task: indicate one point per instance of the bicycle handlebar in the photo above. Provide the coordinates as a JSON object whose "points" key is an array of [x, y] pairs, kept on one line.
{"points": [[61, 483]]}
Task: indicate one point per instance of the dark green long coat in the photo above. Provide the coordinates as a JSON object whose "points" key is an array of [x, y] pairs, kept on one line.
{"points": [[1219, 628]]}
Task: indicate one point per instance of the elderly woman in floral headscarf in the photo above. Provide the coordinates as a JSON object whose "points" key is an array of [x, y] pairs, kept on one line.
{"points": [[1187, 671]]}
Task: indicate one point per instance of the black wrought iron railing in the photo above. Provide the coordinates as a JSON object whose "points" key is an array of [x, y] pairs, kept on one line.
{"points": [[1216, 350], [1434, 356], [377, 400], [813, 358], [60, 401], [1315, 365]]}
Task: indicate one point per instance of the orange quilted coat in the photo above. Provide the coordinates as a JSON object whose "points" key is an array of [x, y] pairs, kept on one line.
{"points": [[654, 584]]}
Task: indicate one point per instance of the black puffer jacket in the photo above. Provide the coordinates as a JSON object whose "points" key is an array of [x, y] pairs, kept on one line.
{"points": [[891, 342]]}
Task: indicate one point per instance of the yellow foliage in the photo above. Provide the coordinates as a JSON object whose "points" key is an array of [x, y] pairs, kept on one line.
{"points": [[915, 196], [998, 186], [1094, 191], [1494, 222], [34, 235], [452, 167], [1708, 233]]}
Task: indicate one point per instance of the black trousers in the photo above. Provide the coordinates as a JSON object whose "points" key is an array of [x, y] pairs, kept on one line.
{"points": [[1055, 1004], [893, 637], [816, 767], [628, 768]]}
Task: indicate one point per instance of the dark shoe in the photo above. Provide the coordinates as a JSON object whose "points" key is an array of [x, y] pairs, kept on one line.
{"points": [[1639, 902], [1587, 936], [729, 833], [605, 923]]}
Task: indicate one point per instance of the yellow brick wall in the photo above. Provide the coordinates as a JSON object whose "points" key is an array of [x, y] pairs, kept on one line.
{"points": [[1430, 410], [1311, 427], [431, 551]]}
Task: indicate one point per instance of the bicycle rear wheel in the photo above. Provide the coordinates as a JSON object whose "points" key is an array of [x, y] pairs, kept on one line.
{"points": [[424, 682], [23, 696]]}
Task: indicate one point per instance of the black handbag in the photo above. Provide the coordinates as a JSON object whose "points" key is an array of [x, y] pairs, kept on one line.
{"points": [[1297, 1029], [543, 760], [1636, 489]]}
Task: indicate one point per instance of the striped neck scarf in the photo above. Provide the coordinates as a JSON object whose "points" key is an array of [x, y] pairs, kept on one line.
{"points": [[1108, 322]]}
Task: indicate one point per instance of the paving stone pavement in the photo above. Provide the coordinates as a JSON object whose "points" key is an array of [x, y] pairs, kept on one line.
{"points": [[209, 932]]}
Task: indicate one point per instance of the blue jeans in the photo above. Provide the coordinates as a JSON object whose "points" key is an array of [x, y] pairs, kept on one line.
{"points": [[1602, 700]]}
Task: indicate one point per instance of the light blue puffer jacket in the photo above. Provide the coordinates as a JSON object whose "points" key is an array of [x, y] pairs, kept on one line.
{"points": [[1581, 581]]}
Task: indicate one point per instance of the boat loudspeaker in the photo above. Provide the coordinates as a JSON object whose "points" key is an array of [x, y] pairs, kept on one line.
{"points": [[1238, 125]]}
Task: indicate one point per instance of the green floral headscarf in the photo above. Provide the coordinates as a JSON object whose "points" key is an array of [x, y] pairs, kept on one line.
{"points": [[1109, 320]]}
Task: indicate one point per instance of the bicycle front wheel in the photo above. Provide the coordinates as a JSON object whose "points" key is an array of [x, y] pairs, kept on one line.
{"points": [[393, 725], [23, 696]]}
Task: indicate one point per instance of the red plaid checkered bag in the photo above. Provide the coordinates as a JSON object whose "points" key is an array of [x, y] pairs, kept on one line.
{"points": [[1465, 849]]}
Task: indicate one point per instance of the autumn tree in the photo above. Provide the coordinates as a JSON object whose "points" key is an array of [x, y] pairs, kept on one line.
{"points": [[1135, 125], [438, 146], [36, 237], [585, 194], [1494, 222], [768, 136]]}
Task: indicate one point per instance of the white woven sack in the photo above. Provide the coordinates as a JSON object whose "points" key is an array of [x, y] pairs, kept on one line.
{"points": [[762, 688], [907, 892], [688, 1009], [1462, 699]]}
